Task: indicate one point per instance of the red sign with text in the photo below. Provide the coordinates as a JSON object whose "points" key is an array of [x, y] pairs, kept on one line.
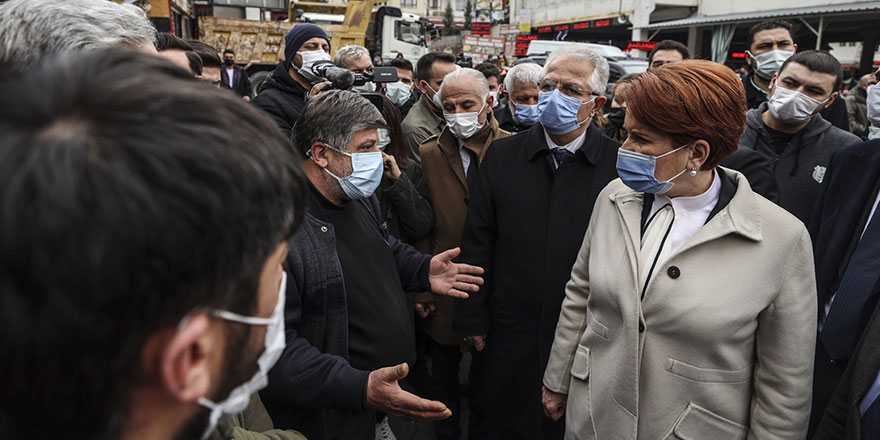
{"points": [[647, 46], [545, 29], [581, 25], [560, 28], [481, 28], [603, 23], [741, 55]]}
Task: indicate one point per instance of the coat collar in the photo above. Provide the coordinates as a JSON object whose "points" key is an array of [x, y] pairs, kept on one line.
{"points": [[741, 215], [479, 144], [537, 144]]}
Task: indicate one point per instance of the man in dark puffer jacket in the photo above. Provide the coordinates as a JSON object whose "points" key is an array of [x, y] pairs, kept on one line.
{"points": [[284, 92]]}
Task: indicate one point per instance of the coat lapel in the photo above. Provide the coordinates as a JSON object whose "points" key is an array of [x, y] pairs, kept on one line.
{"points": [[629, 211]]}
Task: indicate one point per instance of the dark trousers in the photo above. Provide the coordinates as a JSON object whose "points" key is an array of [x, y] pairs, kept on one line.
{"points": [[445, 361]]}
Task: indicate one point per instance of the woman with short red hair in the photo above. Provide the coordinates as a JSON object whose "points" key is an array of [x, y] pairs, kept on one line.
{"points": [[691, 310]]}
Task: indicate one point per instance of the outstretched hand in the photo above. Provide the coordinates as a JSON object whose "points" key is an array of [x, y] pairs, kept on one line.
{"points": [[453, 279], [385, 394]]}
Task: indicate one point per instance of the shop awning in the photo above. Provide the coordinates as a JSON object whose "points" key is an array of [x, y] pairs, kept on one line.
{"points": [[839, 9]]}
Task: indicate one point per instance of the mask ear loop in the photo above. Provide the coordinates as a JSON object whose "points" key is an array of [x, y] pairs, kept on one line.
{"points": [[583, 103]]}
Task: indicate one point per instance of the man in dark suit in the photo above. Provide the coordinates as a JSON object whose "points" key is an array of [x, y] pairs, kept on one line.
{"points": [[845, 229], [854, 411], [233, 77], [529, 209]]}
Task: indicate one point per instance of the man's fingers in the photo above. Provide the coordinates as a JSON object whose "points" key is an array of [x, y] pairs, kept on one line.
{"points": [[449, 254], [465, 286], [426, 416], [457, 294], [469, 269], [469, 279]]}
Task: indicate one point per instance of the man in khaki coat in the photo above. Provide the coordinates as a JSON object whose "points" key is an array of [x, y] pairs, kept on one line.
{"points": [[450, 160]]}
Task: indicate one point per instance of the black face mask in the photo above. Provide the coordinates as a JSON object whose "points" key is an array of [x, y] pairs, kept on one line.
{"points": [[229, 62], [617, 115]]}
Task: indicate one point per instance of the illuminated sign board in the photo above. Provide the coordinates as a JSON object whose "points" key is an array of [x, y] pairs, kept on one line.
{"points": [[647, 46]]}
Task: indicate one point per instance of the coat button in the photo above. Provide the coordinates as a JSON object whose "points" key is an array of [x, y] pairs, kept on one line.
{"points": [[323, 229], [673, 272]]}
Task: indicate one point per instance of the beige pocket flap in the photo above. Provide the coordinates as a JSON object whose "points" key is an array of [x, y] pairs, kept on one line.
{"points": [[710, 375], [699, 424], [580, 368]]}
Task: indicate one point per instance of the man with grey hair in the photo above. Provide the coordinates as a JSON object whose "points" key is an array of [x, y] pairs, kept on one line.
{"points": [[349, 330], [521, 91], [528, 209], [857, 106], [33, 30], [356, 59], [450, 161]]}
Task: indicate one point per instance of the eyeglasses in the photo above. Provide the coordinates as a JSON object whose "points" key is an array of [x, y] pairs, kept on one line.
{"points": [[568, 89]]}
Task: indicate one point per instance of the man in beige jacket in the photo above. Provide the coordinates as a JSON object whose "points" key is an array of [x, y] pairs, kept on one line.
{"points": [[450, 160]]}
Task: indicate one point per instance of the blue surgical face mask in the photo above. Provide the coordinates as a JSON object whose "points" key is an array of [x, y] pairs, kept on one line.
{"points": [[559, 113], [366, 174], [526, 114], [636, 170]]}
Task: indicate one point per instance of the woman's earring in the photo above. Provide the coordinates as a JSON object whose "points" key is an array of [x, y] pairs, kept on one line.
{"points": [[694, 171]]}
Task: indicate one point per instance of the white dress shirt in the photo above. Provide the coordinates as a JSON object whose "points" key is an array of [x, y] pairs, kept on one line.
{"points": [[465, 156], [229, 74], [687, 216], [572, 146]]}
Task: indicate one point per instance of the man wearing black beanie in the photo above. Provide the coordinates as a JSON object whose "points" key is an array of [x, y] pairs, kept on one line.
{"points": [[284, 92]]}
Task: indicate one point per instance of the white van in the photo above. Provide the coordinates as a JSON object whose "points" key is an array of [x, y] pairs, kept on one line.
{"points": [[544, 47]]}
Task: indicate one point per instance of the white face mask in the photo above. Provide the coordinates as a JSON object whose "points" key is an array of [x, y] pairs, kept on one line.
{"points": [[770, 62], [792, 107], [464, 125], [368, 87], [240, 397], [309, 58], [384, 138], [874, 105], [436, 98], [494, 96]]}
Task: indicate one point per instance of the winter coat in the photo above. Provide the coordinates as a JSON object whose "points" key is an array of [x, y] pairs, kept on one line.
{"points": [[282, 98], [524, 225], [720, 347]]}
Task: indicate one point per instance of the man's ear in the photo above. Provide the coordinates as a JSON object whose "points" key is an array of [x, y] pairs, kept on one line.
{"points": [[319, 154], [834, 97], [185, 364], [490, 101], [795, 49], [423, 86], [599, 103]]}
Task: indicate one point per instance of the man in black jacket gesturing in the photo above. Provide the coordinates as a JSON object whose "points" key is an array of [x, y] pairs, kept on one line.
{"points": [[349, 329]]}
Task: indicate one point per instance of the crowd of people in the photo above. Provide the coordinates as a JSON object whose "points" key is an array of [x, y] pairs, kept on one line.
{"points": [[522, 253]]}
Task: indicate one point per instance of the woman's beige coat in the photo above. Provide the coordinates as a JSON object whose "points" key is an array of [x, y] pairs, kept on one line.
{"points": [[721, 346]]}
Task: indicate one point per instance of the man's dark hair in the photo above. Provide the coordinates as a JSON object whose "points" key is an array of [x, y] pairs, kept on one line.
{"points": [[401, 63], [489, 70], [195, 62], [207, 52], [226, 51], [822, 62], [166, 41], [426, 63], [669, 45], [766, 26], [127, 202]]}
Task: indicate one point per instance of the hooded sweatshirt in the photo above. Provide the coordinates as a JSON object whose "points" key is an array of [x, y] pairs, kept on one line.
{"points": [[800, 167]]}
